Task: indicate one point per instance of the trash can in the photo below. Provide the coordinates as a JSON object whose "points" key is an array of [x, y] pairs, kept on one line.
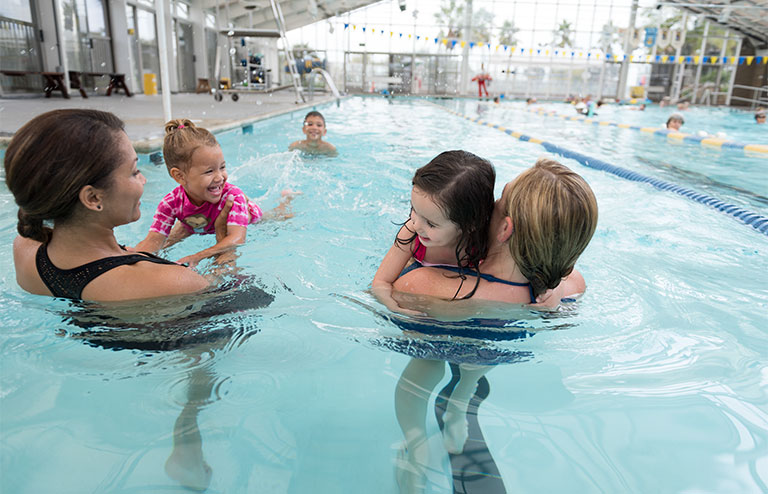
{"points": [[150, 83]]}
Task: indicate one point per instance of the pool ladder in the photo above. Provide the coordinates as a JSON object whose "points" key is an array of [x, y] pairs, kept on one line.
{"points": [[328, 80]]}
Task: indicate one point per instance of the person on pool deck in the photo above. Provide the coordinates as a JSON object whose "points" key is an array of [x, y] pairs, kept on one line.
{"points": [[77, 169], [540, 226], [674, 122], [314, 129]]}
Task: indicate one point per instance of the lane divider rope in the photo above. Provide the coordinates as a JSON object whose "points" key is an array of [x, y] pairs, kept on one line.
{"points": [[756, 221], [671, 134]]}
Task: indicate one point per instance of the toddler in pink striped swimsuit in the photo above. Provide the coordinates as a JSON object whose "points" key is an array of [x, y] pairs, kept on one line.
{"points": [[194, 160]]}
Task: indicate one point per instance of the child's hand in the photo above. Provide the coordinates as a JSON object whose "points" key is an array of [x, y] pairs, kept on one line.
{"points": [[189, 261], [543, 297]]}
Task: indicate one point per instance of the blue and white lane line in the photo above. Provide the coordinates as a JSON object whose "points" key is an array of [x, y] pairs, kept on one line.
{"points": [[756, 221]]}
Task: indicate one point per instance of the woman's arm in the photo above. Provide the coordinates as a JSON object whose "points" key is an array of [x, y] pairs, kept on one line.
{"points": [[144, 280]]}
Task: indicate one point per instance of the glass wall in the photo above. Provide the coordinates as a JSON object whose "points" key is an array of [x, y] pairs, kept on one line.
{"points": [[142, 35], [548, 48], [19, 48], [86, 36], [18, 43]]}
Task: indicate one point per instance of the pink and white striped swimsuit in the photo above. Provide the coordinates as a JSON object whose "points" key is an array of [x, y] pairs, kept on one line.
{"points": [[199, 219]]}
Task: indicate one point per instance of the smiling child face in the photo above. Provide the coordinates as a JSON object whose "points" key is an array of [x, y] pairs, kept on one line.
{"points": [[314, 128]]}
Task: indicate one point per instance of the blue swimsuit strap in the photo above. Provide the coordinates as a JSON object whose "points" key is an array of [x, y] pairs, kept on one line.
{"points": [[487, 277]]}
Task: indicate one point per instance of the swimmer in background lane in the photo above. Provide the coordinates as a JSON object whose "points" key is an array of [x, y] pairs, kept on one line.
{"points": [[760, 116], [674, 122], [314, 129], [195, 161]]}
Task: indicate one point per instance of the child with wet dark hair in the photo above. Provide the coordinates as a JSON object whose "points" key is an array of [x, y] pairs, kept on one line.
{"points": [[314, 129], [451, 206]]}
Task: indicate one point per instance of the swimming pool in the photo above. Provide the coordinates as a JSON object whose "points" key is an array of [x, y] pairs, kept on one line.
{"points": [[655, 382]]}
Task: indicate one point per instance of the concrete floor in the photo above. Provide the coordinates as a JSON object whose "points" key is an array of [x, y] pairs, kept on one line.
{"points": [[143, 115]]}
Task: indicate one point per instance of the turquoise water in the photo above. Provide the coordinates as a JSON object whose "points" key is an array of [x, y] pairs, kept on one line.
{"points": [[730, 175], [655, 382]]}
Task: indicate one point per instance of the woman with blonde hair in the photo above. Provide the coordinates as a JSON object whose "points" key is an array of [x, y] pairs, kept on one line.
{"points": [[539, 228]]}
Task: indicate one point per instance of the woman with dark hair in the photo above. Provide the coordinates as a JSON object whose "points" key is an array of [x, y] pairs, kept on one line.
{"points": [[73, 174], [538, 229]]}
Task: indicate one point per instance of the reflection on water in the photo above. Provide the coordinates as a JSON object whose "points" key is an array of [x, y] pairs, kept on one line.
{"points": [[194, 326]]}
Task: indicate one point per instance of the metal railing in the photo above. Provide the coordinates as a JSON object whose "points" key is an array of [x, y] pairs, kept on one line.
{"points": [[759, 95]]}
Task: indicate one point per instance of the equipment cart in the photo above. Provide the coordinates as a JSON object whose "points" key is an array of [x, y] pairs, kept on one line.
{"points": [[248, 73]]}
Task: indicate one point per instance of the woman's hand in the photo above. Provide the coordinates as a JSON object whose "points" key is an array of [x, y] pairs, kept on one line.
{"points": [[221, 220]]}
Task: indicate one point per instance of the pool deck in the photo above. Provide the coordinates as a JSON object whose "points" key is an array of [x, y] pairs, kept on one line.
{"points": [[143, 115]]}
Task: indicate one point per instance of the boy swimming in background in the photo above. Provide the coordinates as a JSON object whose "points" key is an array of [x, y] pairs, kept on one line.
{"points": [[314, 129]]}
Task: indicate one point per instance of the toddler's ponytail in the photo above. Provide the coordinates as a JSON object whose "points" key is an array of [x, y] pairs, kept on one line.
{"points": [[182, 138]]}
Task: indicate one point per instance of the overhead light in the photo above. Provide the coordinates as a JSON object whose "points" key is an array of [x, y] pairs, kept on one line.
{"points": [[401, 4]]}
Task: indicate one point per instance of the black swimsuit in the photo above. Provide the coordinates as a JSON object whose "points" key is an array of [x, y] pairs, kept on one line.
{"points": [[69, 283]]}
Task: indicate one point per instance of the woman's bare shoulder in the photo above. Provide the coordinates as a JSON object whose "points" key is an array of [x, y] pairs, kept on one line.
{"points": [[24, 252]]}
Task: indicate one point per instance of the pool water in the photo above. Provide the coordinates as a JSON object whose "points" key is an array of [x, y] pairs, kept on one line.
{"points": [[730, 175], [655, 381]]}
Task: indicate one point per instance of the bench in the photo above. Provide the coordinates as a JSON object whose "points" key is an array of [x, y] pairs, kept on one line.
{"points": [[116, 81], [52, 81]]}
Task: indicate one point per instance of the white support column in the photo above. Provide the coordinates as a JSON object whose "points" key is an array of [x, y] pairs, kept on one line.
{"points": [[624, 71], [197, 18], [47, 24], [61, 35], [700, 64], [121, 48], [720, 66], [162, 46], [679, 72], [467, 35], [733, 73]]}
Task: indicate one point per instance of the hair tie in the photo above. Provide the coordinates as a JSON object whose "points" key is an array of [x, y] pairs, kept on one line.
{"points": [[181, 126]]}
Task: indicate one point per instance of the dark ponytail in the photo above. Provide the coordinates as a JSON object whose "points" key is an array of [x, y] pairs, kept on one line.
{"points": [[31, 227]]}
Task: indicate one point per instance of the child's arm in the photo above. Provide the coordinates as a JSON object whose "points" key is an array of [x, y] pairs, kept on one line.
{"points": [[152, 242], [282, 211], [235, 236], [389, 270], [237, 219]]}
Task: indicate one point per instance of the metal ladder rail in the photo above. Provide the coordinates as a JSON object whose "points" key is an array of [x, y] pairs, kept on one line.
{"points": [[278, 13], [328, 80]]}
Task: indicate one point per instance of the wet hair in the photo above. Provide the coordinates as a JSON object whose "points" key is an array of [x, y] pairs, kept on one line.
{"points": [[314, 113], [675, 116], [554, 215], [182, 139], [461, 184], [52, 157]]}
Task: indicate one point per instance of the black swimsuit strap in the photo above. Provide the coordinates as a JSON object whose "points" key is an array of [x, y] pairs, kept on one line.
{"points": [[69, 283]]}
